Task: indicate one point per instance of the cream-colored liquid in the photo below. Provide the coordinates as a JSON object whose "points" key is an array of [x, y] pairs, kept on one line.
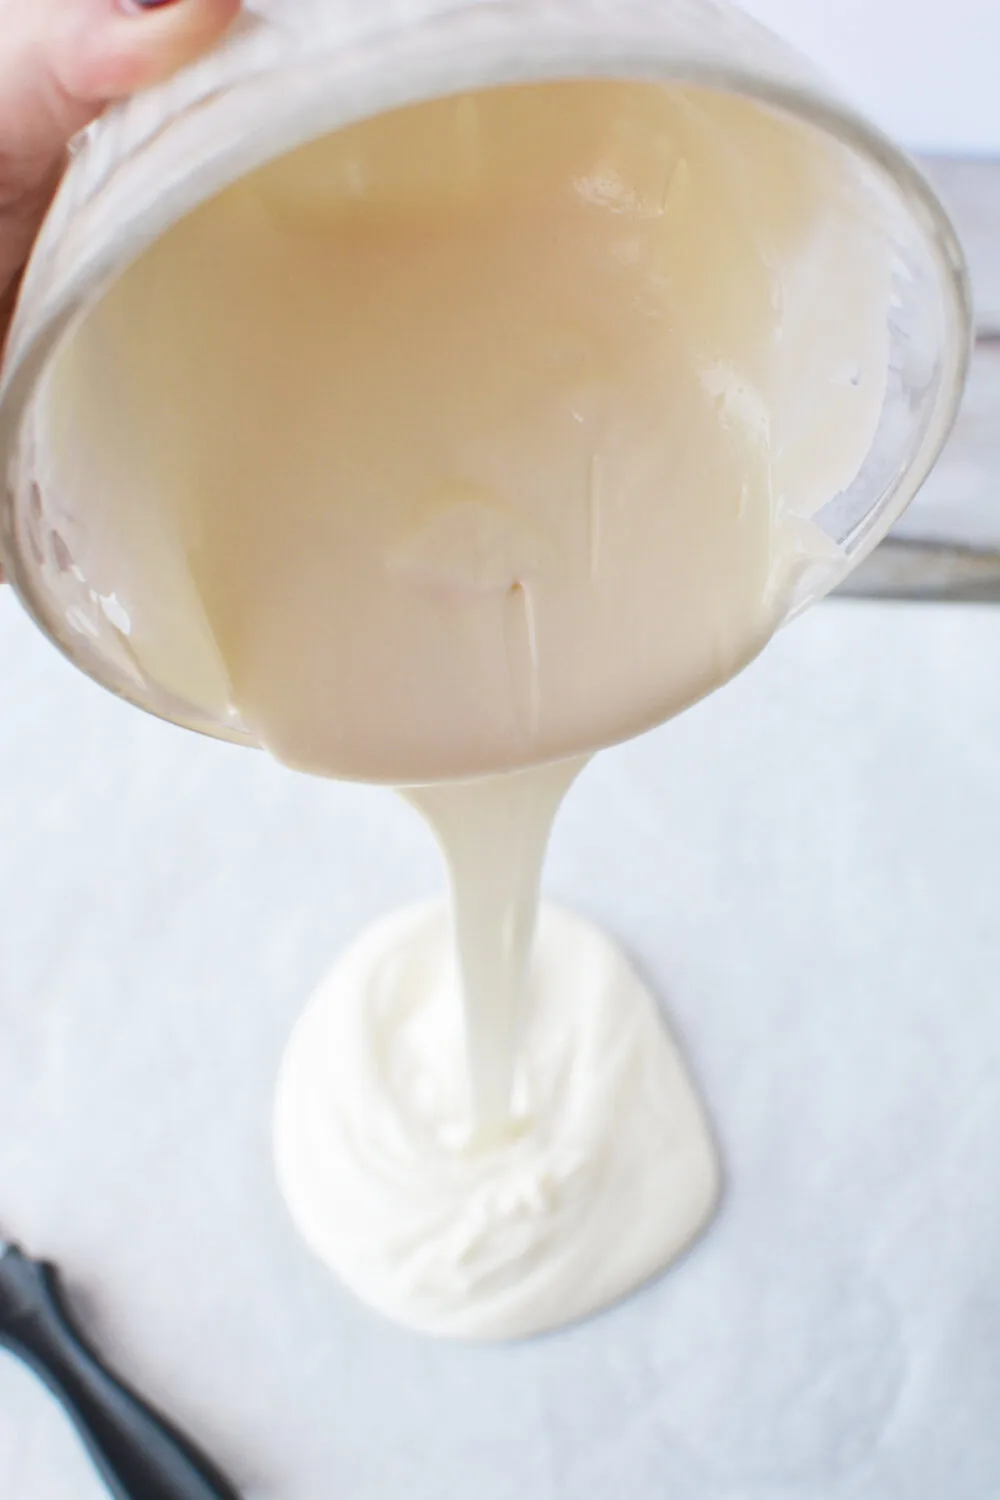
{"points": [[493, 833], [473, 438], [481, 434]]}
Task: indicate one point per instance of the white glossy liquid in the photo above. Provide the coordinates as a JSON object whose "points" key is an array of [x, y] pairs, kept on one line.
{"points": [[471, 439], [605, 1172], [481, 434], [493, 834]]}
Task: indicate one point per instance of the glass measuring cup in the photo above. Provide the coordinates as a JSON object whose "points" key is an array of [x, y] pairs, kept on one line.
{"points": [[296, 71]]}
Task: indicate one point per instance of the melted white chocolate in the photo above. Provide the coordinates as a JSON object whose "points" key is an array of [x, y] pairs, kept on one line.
{"points": [[480, 434], [465, 441], [605, 1172]]}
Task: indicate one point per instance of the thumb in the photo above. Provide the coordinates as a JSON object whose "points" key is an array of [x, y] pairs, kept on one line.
{"points": [[61, 61]]}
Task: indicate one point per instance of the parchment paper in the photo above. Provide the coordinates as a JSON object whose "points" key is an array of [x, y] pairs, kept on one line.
{"points": [[806, 867]]}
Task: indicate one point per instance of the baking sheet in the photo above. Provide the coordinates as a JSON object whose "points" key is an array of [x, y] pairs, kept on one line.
{"points": [[806, 867]]}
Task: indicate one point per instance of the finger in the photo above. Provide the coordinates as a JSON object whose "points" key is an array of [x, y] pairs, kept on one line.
{"points": [[61, 61], [123, 45]]}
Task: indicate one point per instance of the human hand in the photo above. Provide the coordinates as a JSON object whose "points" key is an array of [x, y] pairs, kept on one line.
{"points": [[61, 62]]}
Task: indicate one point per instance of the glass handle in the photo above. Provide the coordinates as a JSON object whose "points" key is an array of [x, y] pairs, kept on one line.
{"points": [[932, 571], [947, 545]]}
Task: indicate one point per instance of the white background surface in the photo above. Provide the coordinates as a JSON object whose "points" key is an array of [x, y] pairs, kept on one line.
{"points": [[927, 71], [806, 868]]}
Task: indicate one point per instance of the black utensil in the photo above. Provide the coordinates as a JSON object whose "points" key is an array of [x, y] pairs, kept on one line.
{"points": [[139, 1455]]}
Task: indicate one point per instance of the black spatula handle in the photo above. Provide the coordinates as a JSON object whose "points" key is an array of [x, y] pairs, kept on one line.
{"points": [[139, 1455]]}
